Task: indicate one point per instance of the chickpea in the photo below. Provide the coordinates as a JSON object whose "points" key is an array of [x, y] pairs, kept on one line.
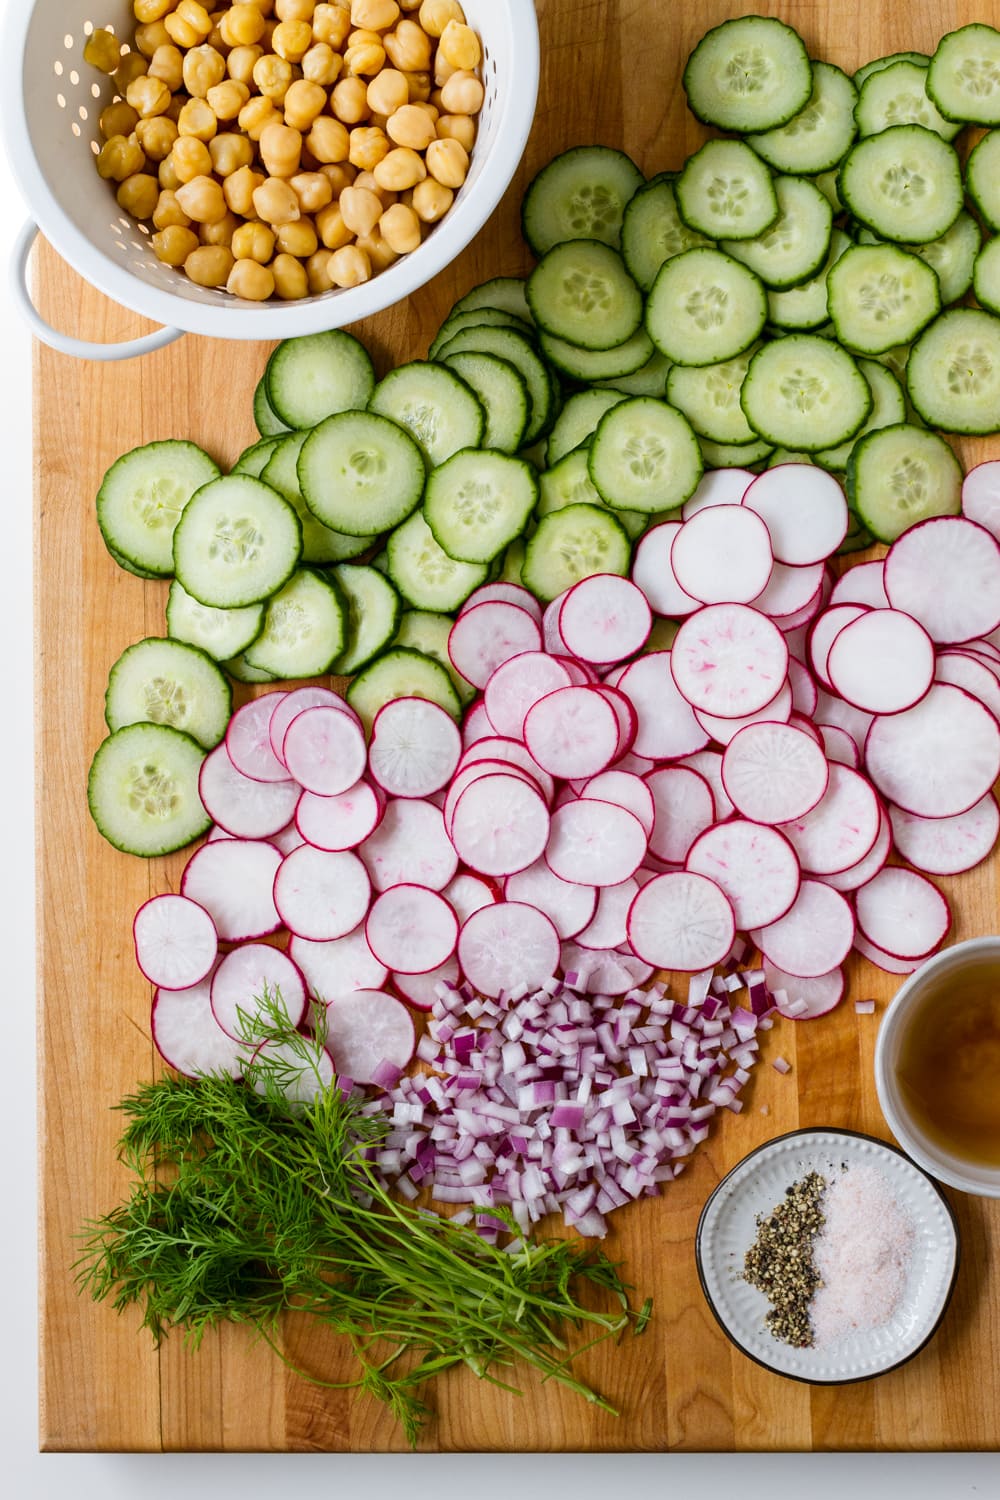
{"points": [[294, 10], [360, 210], [203, 69], [119, 158], [151, 10], [102, 51], [387, 92], [210, 265], [419, 85], [380, 254], [460, 128], [191, 158], [229, 152], [150, 96], [431, 200], [318, 273], [118, 119], [256, 115], [238, 189], [369, 181], [221, 232], [339, 175], [132, 66], [368, 146], [241, 26], [280, 150], [407, 5], [459, 46], [254, 241], [332, 230], [227, 99], [322, 65], [328, 141], [365, 58], [241, 62], [463, 94], [197, 118], [290, 278], [138, 195], [349, 101], [292, 40], [273, 76], [374, 15], [349, 267], [408, 48], [156, 137], [304, 103], [331, 24], [190, 24], [399, 226], [313, 190], [167, 64], [435, 15], [169, 180], [299, 239], [202, 199], [275, 202], [411, 126], [448, 162], [168, 213], [400, 169], [149, 38], [442, 70]]}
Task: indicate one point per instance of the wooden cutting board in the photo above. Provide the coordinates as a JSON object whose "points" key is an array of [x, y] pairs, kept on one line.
{"points": [[610, 73]]}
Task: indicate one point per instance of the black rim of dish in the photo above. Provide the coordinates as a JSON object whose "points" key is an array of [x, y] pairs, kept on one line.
{"points": [[860, 1135]]}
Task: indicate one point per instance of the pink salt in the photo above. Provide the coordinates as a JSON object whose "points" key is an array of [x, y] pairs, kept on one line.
{"points": [[862, 1255]]}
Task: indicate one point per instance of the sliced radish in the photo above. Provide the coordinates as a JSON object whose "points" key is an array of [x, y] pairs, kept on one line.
{"points": [[813, 937], [470, 774], [789, 624], [625, 790], [804, 999], [789, 591], [883, 960], [754, 866], [778, 711], [215, 833], [582, 673], [946, 573], [176, 942], [552, 640], [963, 670], [325, 750], [517, 685], [628, 719], [722, 554], [339, 966], [867, 868], [484, 637], [882, 662], [411, 929], [598, 972], [667, 727], [833, 710], [296, 701], [595, 843], [825, 631], [248, 979], [245, 808], [248, 739], [573, 732], [477, 724], [189, 1038], [840, 830], [506, 946], [799, 721], [234, 881], [947, 846], [468, 893], [708, 763], [652, 571], [505, 752], [302, 1078], [568, 905], [367, 1030], [508, 593], [609, 925], [805, 511], [774, 772], [635, 765], [903, 913], [981, 496], [683, 808], [937, 759], [415, 747], [287, 839], [342, 822], [862, 584], [839, 746], [803, 687], [410, 847], [718, 487], [500, 825], [604, 619], [321, 894], [681, 921], [729, 660], [420, 990]]}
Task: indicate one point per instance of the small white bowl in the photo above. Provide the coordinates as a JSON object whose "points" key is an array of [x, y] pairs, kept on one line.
{"points": [[728, 1227], [934, 1158]]}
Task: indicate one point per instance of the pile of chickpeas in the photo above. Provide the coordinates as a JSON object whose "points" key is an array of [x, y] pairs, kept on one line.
{"points": [[281, 148]]}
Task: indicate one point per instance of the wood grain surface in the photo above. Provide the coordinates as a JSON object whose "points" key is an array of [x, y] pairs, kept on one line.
{"points": [[610, 73]]}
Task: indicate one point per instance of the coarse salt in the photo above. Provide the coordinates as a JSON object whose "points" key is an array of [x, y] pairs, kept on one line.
{"points": [[862, 1255]]}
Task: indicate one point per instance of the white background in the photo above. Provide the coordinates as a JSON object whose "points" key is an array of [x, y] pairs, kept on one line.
{"points": [[31, 1476]]}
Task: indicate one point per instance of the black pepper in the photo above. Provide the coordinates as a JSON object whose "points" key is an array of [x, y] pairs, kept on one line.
{"points": [[780, 1260]]}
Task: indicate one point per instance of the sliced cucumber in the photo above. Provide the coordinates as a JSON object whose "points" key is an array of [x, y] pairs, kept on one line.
{"points": [[751, 73], [427, 632], [361, 473], [320, 545], [373, 613], [789, 456], [569, 483], [504, 292], [725, 191], [160, 681], [888, 409], [305, 628], [578, 421], [253, 460], [952, 257], [435, 406], [827, 184], [953, 373], [128, 567], [143, 496], [223, 633], [401, 673], [881, 295], [513, 561], [651, 380], [734, 455], [571, 544], [476, 317], [644, 455], [237, 543], [795, 247], [986, 276], [982, 178], [502, 394], [804, 308], [705, 307], [653, 230], [423, 572], [508, 344], [142, 789], [902, 475], [603, 364], [964, 75], [240, 669], [817, 138], [897, 95], [267, 421], [805, 392], [478, 502], [709, 396], [905, 183], [580, 291], [878, 63], [312, 377], [579, 195]]}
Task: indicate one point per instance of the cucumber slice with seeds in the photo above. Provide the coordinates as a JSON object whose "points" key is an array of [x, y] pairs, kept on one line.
{"points": [[434, 405], [709, 396], [986, 276], [507, 343], [401, 673], [953, 372], [818, 137], [422, 571], [900, 476], [580, 291], [502, 393], [305, 628], [644, 456], [569, 483], [360, 473], [880, 296], [580, 194], [964, 75], [952, 257], [477, 502], [320, 545], [237, 542], [726, 192], [142, 498], [805, 392], [578, 421], [897, 95], [223, 633], [373, 613], [159, 681], [705, 307], [142, 789], [572, 544], [312, 377], [804, 308], [982, 178], [751, 73], [905, 183], [653, 231], [797, 243]]}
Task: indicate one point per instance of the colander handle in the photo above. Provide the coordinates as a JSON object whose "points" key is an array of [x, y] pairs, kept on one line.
{"points": [[65, 343]]}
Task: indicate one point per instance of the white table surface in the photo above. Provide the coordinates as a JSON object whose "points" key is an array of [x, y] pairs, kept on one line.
{"points": [[34, 1476]]}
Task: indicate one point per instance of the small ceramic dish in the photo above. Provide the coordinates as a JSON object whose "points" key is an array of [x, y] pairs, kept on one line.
{"points": [[728, 1227]]}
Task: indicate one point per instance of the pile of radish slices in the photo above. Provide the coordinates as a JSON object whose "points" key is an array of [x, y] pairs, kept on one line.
{"points": [[607, 809]]}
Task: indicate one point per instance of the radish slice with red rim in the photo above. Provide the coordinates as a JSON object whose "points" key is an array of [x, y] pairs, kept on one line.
{"points": [[947, 846], [635, 765], [595, 843], [868, 868], [833, 710], [421, 990], [972, 674], [937, 759], [652, 571], [804, 999], [339, 966], [325, 750], [176, 942], [625, 790], [722, 554], [788, 624], [800, 722], [411, 929], [245, 808], [604, 619], [683, 807], [825, 632], [862, 584], [883, 960], [903, 913], [477, 724], [506, 946], [552, 640], [981, 496], [410, 847], [517, 685], [708, 763], [729, 660], [881, 662], [248, 739], [946, 573], [341, 822], [484, 637], [805, 512], [468, 893], [189, 1038], [608, 927], [287, 839], [476, 771], [500, 825], [774, 772], [755, 866], [718, 487], [803, 687], [839, 746], [366, 1031], [507, 593], [681, 921], [840, 830], [573, 732], [508, 752], [628, 719], [599, 972], [666, 726], [814, 936], [321, 894], [295, 701], [778, 711], [789, 591], [233, 880], [568, 905], [415, 747], [250, 977]]}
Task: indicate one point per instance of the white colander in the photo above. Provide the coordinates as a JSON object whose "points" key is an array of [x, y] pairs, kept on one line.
{"points": [[52, 101]]}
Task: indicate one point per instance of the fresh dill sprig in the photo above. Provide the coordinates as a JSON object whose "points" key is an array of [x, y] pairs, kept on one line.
{"points": [[253, 1198]]}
